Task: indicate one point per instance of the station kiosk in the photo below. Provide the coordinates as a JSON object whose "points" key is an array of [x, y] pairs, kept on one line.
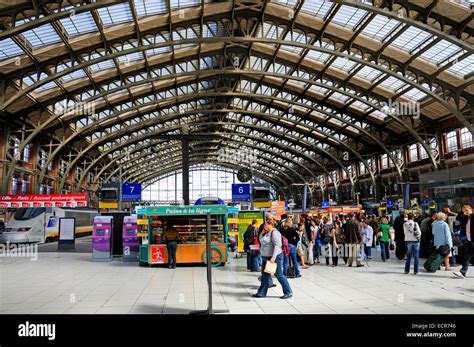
{"points": [[130, 239], [102, 238]]}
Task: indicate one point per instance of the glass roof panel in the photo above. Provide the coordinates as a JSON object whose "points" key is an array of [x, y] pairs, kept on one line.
{"points": [[115, 14], [41, 36], [74, 75], [368, 73], [464, 66], [393, 83], [179, 4], [150, 7], [317, 8], [81, 23], [415, 94], [8, 48], [343, 64], [379, 27], [349, 17], [441, 51], [288, 3], [103, 65], [412, 38]]}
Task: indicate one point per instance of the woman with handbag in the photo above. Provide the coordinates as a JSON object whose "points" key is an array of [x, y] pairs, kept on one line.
{"points": [[290, 233], [272, 256], [384, 238], [442, 238]]}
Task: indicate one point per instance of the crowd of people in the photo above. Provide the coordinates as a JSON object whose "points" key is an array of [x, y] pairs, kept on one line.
{"points": [[295, 244]]}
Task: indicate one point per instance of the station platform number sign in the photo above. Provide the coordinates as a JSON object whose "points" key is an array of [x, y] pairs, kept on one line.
{"points": [[240, 192], [131, 192]]}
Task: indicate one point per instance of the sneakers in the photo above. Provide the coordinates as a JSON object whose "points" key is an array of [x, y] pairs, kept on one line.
{"points": [[459, 274], [360, 265], [286, 296], [298, 276], [273, 285]]}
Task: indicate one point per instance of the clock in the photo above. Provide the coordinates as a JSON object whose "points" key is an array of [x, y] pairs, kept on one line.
{"points": [[244, 174]]}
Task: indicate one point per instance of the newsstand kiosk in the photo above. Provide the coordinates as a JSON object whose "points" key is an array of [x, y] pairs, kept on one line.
{"points": [[190, 223]]}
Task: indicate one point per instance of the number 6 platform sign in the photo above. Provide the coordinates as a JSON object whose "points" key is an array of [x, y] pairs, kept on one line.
{"points": [[241, 192]]}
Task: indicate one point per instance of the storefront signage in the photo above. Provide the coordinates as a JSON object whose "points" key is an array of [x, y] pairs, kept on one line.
{"points": [[43, 200], [157, 254], [185, 210]]}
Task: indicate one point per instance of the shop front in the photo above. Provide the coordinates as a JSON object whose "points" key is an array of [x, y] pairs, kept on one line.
{"points": [[190, 223]]}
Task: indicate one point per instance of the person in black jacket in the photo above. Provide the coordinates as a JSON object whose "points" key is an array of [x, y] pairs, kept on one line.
{"points": [[353, 240], [250, 241], [400, 250], [467, 234], [289, 231]]}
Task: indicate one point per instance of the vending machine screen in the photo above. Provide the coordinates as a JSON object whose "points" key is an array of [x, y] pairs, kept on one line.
{"points": [[100, 232], [130, 232]]}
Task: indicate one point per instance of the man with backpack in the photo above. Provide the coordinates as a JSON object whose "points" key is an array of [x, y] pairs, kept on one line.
{"points": [[412, 237], [252, 246]]}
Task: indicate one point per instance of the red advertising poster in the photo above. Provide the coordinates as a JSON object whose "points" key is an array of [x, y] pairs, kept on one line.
{"points": [[157, 254]]}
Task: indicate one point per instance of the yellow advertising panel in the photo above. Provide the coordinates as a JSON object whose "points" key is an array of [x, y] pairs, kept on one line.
{"points": [[262, 204], [245, 219], [108, 205]]}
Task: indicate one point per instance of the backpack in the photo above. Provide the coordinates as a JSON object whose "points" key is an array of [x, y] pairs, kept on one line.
{"points": [[284, 245]]}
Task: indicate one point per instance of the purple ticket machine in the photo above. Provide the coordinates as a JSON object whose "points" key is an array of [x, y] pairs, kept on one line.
{"points": [[102, 238], [130, 239]]}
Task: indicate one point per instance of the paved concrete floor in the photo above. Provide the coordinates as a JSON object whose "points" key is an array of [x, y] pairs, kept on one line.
{"points": [[70, 283]]}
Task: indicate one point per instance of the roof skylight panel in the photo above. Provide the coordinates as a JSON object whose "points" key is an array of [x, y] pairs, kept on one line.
{"points": [[74, 75], [294, 37], [379, 27], [415, 93], [81, 23], [343, 64], [441, 51], [288, 3], [126, 59], [150, 7], [317, 8], [393, 83], [41, 36], [115, 14], [463, 67], [368, 73], [103, 65], [360, 105], [8, 49], [339, 96], [179, 4], [46, 86], [378, 115], [33, 78], [412, 38], [349, 17]]}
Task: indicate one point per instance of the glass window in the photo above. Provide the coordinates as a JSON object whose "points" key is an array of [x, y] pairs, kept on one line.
{"points": [[385, 161], [24, 186], [14, 185], [467, 139], [26, 153], [413, 153], [451, 142]]}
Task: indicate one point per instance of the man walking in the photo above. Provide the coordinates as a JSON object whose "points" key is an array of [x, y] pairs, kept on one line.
{"points": [[467, 231], [354, 239]]}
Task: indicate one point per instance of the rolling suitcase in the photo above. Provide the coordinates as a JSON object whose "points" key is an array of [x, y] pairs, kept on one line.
{"points": [[433, 263]]}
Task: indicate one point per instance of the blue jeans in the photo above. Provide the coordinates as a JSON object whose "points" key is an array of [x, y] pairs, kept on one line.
{"points": [[286, 260], [172, 246], [384, 250], [266, 278], [316, 251], [253, 255], [368, 251], [293, 259], [413, 248]]}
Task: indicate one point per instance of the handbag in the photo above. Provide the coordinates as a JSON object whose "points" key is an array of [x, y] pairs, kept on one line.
{"points": [[443, 250], [270, 268], [378, 248], [256, 245], [392, 246]]}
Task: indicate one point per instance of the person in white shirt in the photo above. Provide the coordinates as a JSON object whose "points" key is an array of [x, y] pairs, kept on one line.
{"points": [[412, 233], [368, 237]]}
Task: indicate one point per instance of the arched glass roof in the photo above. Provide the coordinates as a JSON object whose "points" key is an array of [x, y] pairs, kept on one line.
{"points": [[302, 83]]}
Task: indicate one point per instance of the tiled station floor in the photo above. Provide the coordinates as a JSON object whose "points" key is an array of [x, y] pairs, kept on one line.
{"points": [[62, 283]]}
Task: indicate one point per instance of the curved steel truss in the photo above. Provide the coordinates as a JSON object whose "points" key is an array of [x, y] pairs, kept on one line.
{"points": [[308, 86]]}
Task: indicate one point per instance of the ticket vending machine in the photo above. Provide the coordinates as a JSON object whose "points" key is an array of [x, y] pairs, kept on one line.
{"points": [[102, 238], [130, 239]]}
